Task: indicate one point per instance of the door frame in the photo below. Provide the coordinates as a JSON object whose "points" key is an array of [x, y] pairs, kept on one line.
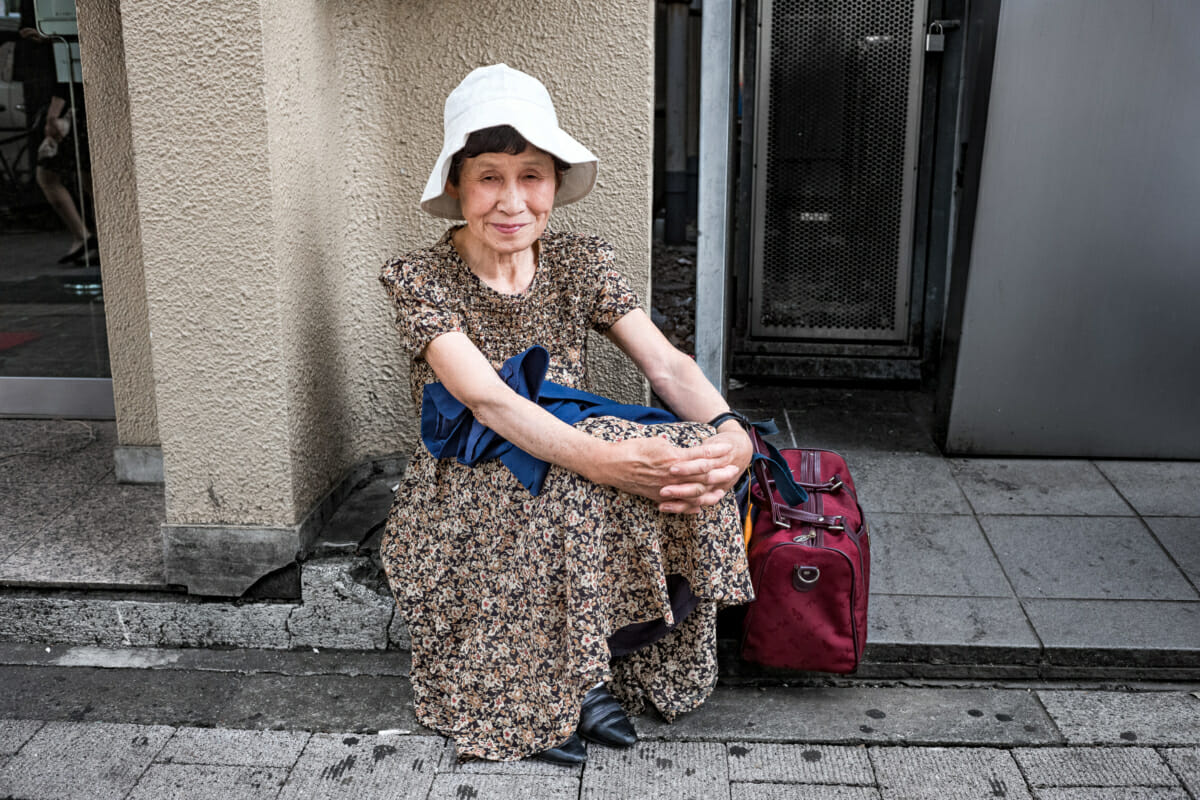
{"points": [[72, 398], [939, 149]]}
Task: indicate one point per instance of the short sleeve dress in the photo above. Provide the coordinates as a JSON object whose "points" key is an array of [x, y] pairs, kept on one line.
{"points": [[510, 598]]}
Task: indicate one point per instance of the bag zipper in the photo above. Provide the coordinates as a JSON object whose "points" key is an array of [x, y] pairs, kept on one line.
{"points": [[813, 467], [809, 471]]}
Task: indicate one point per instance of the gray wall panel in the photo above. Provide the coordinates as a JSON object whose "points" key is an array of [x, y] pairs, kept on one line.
{"points": [[1081, 326]]}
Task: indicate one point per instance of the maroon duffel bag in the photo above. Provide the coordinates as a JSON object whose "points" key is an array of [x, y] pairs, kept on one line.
{"points": [[810, 564]]}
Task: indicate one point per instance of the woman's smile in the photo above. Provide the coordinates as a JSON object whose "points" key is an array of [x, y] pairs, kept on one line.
{"points": [[508, 228]]}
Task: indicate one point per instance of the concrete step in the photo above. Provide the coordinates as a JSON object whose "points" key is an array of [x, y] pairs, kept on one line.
{"points": [[345, 605], [370, 692]]}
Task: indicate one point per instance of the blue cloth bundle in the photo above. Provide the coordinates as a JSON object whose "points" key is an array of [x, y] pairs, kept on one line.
{"points": [[450, 430]]}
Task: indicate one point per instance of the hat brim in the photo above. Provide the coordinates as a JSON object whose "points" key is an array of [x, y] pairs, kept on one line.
{"points": [[577, 182]]}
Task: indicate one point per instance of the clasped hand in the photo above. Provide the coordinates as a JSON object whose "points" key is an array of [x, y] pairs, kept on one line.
{"points": [[682, 479]]}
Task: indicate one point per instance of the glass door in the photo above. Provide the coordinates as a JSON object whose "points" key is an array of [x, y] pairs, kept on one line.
{"points": [[53, 340]]}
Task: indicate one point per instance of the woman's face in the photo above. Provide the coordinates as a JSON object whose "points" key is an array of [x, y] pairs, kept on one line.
{"points": [[506, 199]]}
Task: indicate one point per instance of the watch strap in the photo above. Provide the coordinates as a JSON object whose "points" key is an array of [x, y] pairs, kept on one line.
{"points": [[725, 416]]}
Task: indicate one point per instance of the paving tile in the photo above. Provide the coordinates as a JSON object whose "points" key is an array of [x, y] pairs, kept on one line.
{"points": [[17, 433], [1152, 627], [1180, 537], [194, 781], [1157, 488], [652, 770], [353, 767], [268, 702], [503, 787], [204, 698], [750, 395], [831, 428], [231, 747], [921, 404], [1037, 486], [51, 436], [1093, 766], [111, 538], [94, 761], [1085, 558], [1143, 718], [450, 764], [28, 509], [857, 714], [907, 484], [1112, 793], [933, 554], [859, 402], [16, 732], [961, 622], [798, 763], [1185, 761], [947, 773], [57, 452], [793, 791]]}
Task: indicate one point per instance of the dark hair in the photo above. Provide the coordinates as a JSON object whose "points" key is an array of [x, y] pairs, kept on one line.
{"points": [[497, 139]]}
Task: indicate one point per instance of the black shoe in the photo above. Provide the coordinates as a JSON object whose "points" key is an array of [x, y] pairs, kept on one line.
{"points": [[603, 721], [570, 753], [75, 255]]}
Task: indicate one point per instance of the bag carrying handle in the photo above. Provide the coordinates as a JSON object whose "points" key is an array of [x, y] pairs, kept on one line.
{"points": [[773, 475]]}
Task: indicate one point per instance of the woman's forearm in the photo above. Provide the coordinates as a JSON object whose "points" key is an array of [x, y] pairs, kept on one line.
{"points": [[683, 387], [471, 379], [674, 376], [679, 381], [679, 479], [538, 432]]}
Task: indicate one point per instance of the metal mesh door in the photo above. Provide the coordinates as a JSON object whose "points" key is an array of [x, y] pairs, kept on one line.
{"points": [[834, 153]]}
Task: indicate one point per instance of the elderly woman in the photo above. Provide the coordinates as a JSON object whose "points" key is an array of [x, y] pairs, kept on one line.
{"points": [[532, 601]]}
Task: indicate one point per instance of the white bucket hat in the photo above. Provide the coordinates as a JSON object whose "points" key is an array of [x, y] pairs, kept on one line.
{"points": [[501, 95]]}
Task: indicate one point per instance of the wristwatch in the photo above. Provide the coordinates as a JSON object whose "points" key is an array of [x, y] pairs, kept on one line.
{"points": [[725, 416]]}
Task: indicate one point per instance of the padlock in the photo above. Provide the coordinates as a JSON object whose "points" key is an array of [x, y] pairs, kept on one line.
{"points": [[935, 40]]}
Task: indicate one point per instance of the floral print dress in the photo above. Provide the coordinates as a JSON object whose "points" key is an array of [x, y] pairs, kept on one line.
{"points": [[510, 598]]}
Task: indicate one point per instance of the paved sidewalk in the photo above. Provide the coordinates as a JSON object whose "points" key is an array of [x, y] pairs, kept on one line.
{"points": [[78, 761], [1061, 566], [986, 572], [1000, 568], [225, 729]]}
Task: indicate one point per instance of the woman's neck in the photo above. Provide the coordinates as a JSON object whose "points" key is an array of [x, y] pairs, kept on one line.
{"points": [[507, 273]]}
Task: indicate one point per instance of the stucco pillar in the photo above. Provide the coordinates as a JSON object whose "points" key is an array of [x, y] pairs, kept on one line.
{"points": [[102, 51], [212, 280]]}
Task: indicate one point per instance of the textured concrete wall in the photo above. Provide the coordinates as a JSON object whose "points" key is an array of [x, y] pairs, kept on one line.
{"points": [[280, 152], [306, 137], [117, 223], [197, 103]]}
